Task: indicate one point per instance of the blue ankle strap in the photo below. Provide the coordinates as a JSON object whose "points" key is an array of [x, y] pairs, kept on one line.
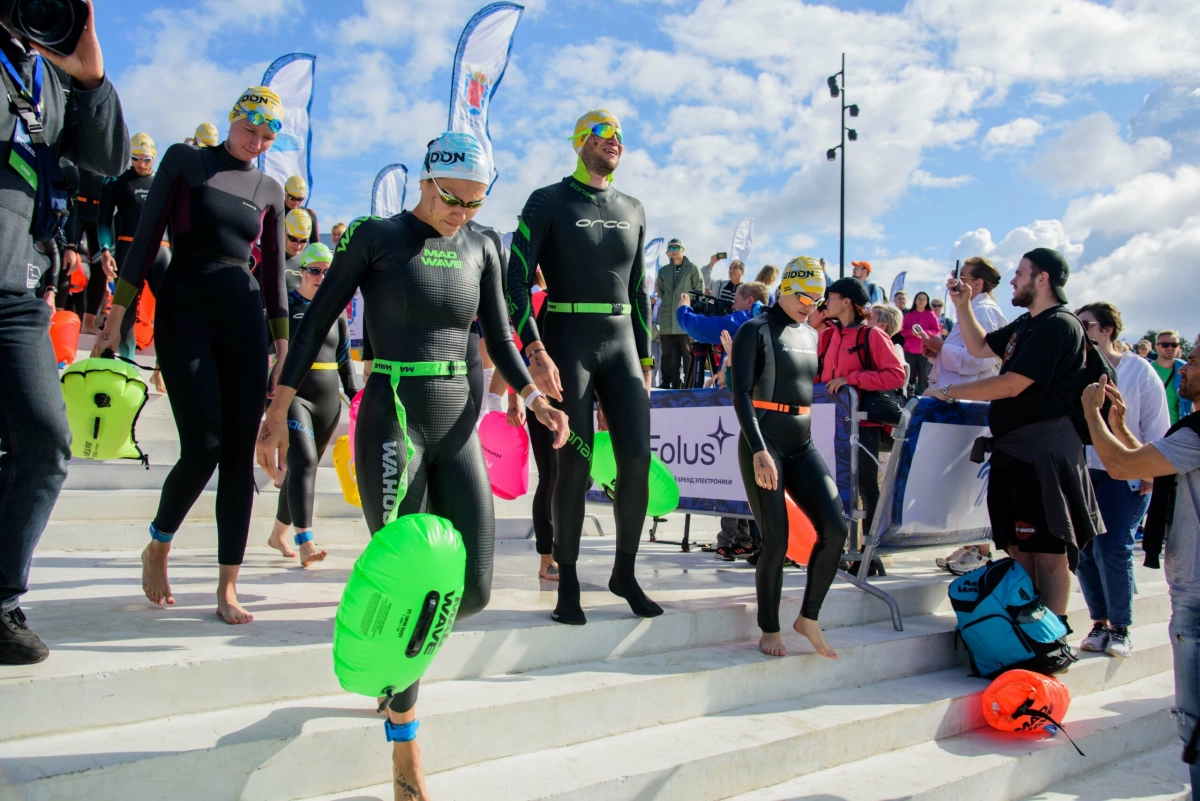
{"points": [[158, 536], [303, 537], [401, 732]]}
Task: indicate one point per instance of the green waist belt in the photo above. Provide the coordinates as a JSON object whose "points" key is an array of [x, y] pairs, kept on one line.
{"points": [[590, 308], [395, 371]]}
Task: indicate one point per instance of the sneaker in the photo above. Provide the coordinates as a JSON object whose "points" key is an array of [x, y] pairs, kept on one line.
{"points": [[944, 561], [1097, 639], [724, 553], [19, 645], [971, 560], [1119, 643], [743, 550]]}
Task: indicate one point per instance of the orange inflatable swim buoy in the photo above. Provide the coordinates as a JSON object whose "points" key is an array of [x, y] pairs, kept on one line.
{"points": [[79, 281], [64, 335], [801, 534], [1023, 701], [143, 329]]}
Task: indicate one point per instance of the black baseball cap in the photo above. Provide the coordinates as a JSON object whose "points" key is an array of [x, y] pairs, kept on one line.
{"points": [[852, 289], [1053, 264]]}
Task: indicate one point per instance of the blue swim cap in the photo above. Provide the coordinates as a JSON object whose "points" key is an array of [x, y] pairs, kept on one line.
{"points": [[457, 154]]}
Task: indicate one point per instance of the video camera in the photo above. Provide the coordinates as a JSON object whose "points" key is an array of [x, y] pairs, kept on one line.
{"points": [[55, 24], [710, 306]]}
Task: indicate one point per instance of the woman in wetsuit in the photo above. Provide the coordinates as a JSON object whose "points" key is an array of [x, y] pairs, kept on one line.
{"points": [[424, 277], [209, 328], [314, 412], [774, 366]]}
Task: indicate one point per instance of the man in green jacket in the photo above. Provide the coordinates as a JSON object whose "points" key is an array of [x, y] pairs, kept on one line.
{"points": [[679, 275]]}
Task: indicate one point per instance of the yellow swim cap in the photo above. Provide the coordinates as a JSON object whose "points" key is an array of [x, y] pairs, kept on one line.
{"points": [[803, 274], [206, 134], [584, 125], [142, 145], [298, 224], [296, 186], [260, 105]]}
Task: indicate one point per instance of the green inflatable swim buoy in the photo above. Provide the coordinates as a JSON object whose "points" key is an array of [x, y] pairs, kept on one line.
{"points": [[399, 605], [104, 398], [664, 489]]}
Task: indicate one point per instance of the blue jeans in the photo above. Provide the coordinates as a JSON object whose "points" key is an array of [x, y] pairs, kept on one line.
{"points": [[1106, 563], [1185, 643], [35, 441]]}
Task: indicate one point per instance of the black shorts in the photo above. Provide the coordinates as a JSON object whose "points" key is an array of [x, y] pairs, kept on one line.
{"points": [[1016, 509]]}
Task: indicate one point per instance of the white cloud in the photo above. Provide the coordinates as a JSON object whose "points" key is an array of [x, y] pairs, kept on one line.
{"points": [[1148, 202], [1091, 153], [924, 179], [1007, 253], [1051, 99], [1019, 133]]}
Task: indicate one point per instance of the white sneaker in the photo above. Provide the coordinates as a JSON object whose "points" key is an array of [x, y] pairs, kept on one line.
{"points": [[1096, 640], [944, 561], [972, 560], [1119, 643]]}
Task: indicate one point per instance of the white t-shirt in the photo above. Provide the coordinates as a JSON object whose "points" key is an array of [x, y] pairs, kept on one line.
{"points": [[1146, 414], [955, 365]]}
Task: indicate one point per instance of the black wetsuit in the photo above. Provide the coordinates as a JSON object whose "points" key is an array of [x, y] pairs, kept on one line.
{"points": [[292, 273], [82, 231], [122, 198], [588, 243], [541, 442], [313, 415], [209, 328], [420, 292], [775, 360]]}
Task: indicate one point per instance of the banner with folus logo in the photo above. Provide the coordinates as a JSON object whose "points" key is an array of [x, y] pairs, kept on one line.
{"points": [[479, 64], [292, 77]]}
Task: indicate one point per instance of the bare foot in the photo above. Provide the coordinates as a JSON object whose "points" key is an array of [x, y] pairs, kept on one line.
{"points": [[310, 554], [278, 540], [812, 631], [228, 607], [408, 777], [154, 573], [771, 644], [549, 569]]}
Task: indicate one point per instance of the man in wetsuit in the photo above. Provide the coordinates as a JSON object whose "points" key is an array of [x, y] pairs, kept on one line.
{"points": [[588, 239], [121, 204], [205, 136], [86, 187], [295, 192], [298, 228]]}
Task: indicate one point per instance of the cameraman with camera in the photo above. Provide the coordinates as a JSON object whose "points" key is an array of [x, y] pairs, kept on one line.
{"points": [[60, 106]]}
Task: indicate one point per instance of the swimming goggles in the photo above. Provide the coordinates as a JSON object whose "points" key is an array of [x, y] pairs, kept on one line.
{"points": [[451, 200], [141, 158], [258, 118], [316, 271], [606, 130], [297, 239]]}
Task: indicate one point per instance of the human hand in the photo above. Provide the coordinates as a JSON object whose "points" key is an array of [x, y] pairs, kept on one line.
{"points": [[765, 474], [833, 386], [272, 445], [1147, 487], [960, 293], [108, 264], [933, 344], [715, 258], [1116, 412], [933, 392], [553, 419], [727, 343], [110, 334], [516, 410], [49, 297], [86, 64], [1093, 395], [601, 420], [281, 348], [685, 300], [545, 373]]}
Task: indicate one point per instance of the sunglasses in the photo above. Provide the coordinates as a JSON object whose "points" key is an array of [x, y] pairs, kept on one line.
{"points": [[606, 130], [258, 118], [452, 201], [674, 249], [297, 240], [1168, 344], [295, 199], [141, 158], [316, 272]]}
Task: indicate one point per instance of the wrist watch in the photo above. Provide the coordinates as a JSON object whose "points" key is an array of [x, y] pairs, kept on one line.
{"points": [[946, 393]]}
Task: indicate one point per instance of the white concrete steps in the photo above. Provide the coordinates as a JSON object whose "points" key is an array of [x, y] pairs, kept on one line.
{"points": [[1155, 775], [141, 505], [987, 765], [716, 755]]}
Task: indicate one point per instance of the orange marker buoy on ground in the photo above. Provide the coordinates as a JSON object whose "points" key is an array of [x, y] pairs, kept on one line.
{"points": [[1022, 701], [143, 328], [802, 536], [79, 281], [64, 335]]}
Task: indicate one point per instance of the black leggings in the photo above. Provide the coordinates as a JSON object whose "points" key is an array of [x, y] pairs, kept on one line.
{"points": [[312, 421], [918, 373], [97, 284], [596, 356], [541, 442], [803, 474], [211, 339]]}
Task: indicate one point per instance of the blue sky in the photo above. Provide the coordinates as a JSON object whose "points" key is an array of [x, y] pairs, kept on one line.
{"points": [[988, 126]]}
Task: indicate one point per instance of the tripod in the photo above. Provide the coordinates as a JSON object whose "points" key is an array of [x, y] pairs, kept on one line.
{"points": [[703, 358]]}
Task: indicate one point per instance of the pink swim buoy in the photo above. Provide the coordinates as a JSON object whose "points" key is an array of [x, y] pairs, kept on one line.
{"points": [[506, 453], [354, 419]]}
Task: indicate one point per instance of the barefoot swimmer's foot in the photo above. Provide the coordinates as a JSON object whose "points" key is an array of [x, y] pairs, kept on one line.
{"points": [[278, 540], [771, 644], [228, 607], [154, 573], [549, 569], [408, 776], [812, 631], [310, 554]]}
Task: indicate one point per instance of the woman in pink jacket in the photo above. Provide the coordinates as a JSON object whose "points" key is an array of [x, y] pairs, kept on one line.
{"points": [[920, 314], [853, 352]]}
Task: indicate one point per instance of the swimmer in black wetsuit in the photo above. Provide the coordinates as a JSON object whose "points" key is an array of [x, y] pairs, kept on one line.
{"points": [[424, 277], [297, 226], [86, 187], [210, 331], [774, 366], [314, 413], [121, 204], [588, 239], [295, 192]]}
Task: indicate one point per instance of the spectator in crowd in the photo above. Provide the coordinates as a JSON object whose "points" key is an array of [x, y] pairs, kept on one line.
{"points": [[1040, 498], [862, 271], [1174, 463], [859, 355], [727, 290], [953, 364], [946, 323], [923, 317], [677, 276], [900, 301], [1106, 563], [887, 318], [1167, 365], [816, 320], [1143, 349], [335, 233], [769, 275]]}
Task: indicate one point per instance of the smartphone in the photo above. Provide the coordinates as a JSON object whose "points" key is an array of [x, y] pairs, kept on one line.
{"points": [[722, 255], [919, 331], [957, 269]]}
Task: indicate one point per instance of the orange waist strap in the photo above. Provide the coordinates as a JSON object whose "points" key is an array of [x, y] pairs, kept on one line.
{"points": [[164, 243], [781, 407]]}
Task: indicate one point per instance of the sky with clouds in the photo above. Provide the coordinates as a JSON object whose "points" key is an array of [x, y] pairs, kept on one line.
{"points": [[988, 127]]}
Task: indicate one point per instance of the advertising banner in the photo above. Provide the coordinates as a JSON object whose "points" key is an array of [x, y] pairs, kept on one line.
{"points": [[292, 78]]}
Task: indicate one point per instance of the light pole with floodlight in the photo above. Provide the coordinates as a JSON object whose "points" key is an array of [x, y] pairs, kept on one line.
{"points": [[836, 90]]}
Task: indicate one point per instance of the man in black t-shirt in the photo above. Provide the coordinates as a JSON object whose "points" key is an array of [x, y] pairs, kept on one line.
{"points": [[1042, 358]]}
